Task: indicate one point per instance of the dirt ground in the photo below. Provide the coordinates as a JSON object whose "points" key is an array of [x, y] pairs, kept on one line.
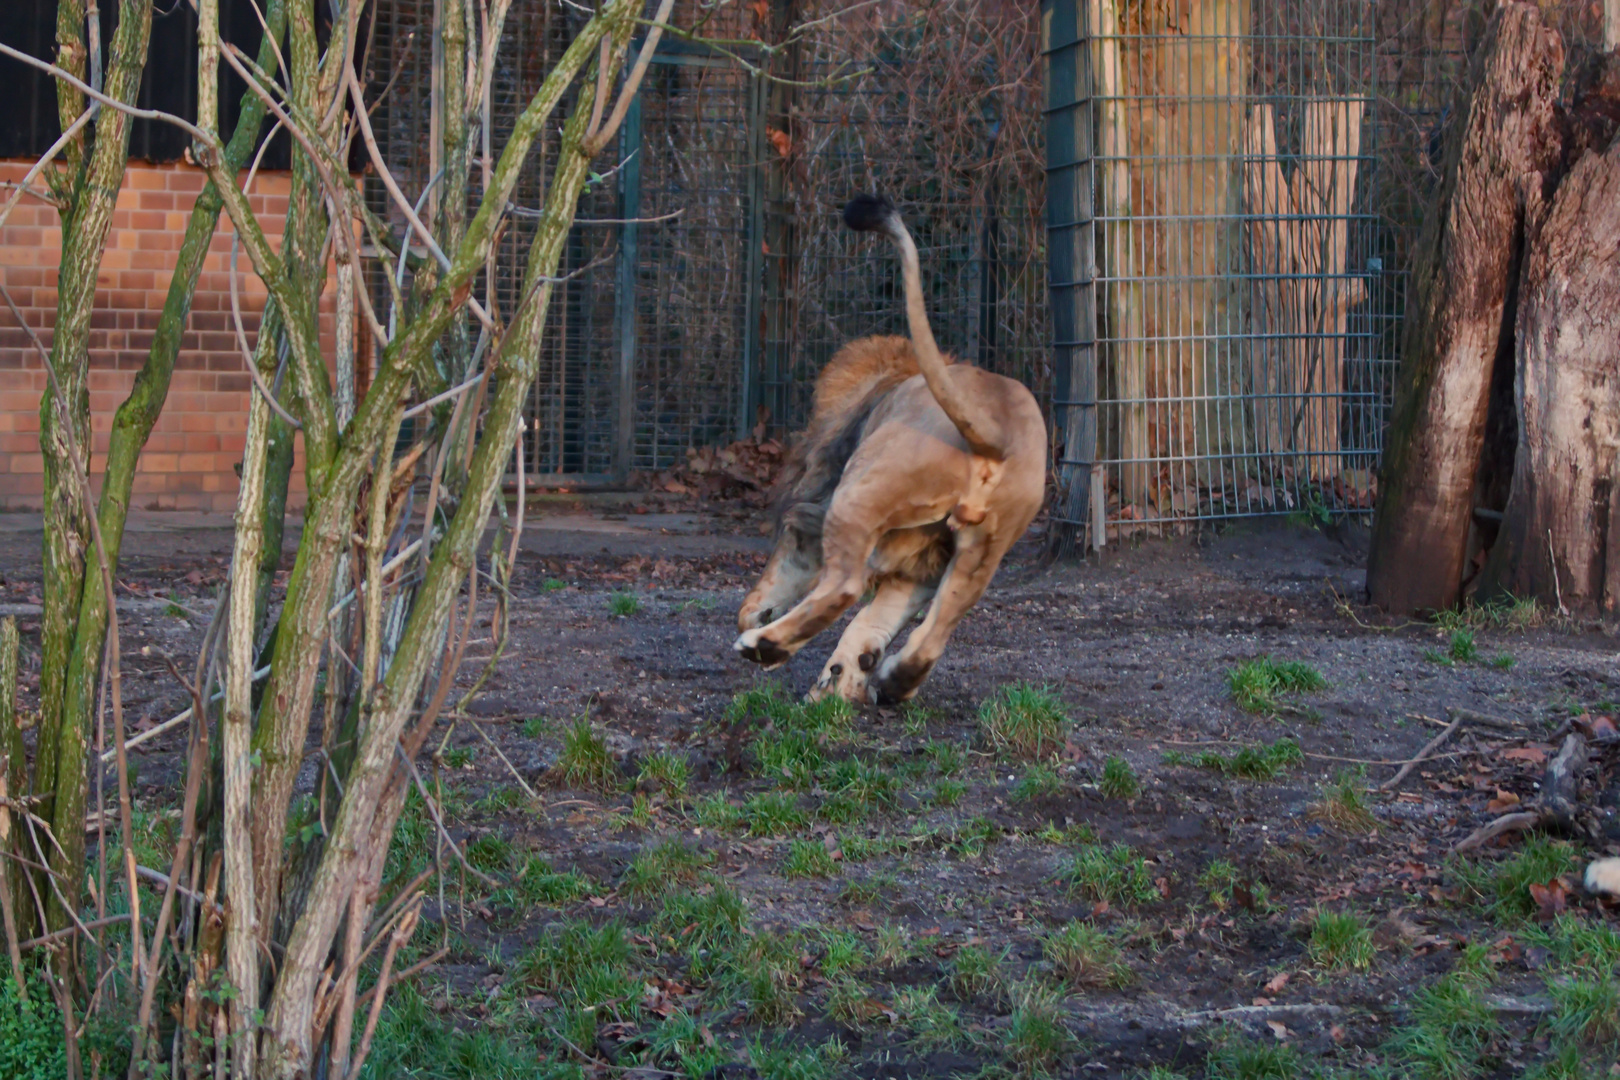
{"points": [[1137, 643]]}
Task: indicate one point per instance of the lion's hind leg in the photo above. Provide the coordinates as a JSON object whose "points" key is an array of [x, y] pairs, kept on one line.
{"points": [[897, 601], [968, 575]]}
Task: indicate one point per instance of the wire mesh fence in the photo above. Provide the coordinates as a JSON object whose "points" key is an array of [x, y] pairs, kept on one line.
{"points": [[1230, 304]]}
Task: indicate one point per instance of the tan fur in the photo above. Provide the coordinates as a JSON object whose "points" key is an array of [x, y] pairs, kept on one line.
{"points": [[923, 508]]}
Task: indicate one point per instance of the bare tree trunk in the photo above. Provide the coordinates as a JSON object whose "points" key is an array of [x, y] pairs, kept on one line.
{"points": [[1462, 318], [1560, 536]]}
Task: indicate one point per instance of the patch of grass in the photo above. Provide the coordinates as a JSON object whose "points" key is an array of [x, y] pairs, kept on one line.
{"points": [[1119, 780], [893, 946], [1435, 656], [1248, 763], [490, 852], [1503, 888], [868, 786], [536, 727], [1507, 613], [1256, 685], [624, 604], [662, 866], [773, 813], [915, 717], [664, 769], [790, 758], [1461, 648], [970, 838], [540, 884], [842, 952], [1588, 1007], [1450, 1027], [1113, 875], [808, 859], [585, 761], [174, 611], [1083, 955], [566, 958], [1036, 1039], [459, 757], [1566, 1063], [945, 756], [762, 972], [934, 1025], [680, 1040], [1343, 806], [703, 922], [975, 972], [716, 812], [1037, 782], [499, 799], [552, 584], [413, 1041], [779, 1061], [1219, 879], [1340, 941], [1024, 720], [1237, 1058], [1503, 661], [768, 706], [849, 1000], [948, 792]]}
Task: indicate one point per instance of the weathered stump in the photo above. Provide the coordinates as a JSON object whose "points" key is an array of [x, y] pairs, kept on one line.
{"points": [[1461, 322], [1560, 534]]}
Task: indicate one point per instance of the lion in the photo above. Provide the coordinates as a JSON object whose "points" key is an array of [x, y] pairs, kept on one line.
{"points": [[913, 477]]}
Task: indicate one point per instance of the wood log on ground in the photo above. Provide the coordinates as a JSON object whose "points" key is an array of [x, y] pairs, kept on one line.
{"points": [[1462, 316], [1560, 533], [1558, 806]]}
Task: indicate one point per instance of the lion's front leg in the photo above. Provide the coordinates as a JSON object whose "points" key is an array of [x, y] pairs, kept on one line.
{"points": [[897, 601]]}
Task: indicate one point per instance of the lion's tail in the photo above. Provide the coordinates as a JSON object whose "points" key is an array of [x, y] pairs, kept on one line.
{"points": [[873, 213]]}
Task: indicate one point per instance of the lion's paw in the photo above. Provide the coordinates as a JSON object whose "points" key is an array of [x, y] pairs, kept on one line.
{"points": [[754, 646]]}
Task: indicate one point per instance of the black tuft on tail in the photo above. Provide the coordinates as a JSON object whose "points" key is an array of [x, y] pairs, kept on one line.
{"points": [[869, 213]]}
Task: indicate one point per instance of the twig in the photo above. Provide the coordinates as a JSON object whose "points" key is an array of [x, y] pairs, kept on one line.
{"points": [[433, 812], [1422, 755], [69, 931], [402, 934], [510, 767], [1558, 590], [413, 970], [175, 721], [89, 91], [1522, 819], [39, 166]]}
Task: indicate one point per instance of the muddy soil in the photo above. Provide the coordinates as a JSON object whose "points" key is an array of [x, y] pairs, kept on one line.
{"points": [[1137, 642]]}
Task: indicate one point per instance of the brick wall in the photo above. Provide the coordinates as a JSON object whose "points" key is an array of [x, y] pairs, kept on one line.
{"points": [[189, 462]]}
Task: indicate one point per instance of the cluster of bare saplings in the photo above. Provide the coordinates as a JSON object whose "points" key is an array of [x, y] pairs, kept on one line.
{"points": [[251, 964]]}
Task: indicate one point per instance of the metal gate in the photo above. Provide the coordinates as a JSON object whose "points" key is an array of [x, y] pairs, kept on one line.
{"points": [[709, 278], [1224, 306]]}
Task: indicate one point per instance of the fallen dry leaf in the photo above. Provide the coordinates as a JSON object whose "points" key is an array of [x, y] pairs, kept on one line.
{"points": [[1551, 899], [1338, 1034], [1279, 1029], [1503, 800], [1535, 755], [1278, 981]]}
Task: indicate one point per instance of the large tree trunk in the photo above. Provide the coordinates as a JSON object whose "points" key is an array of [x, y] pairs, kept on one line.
{"points": [[1560, 536], [1463, 317]]}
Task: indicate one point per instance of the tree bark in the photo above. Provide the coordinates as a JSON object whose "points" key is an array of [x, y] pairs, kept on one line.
{"points": [[1466, 272], [1560, 536]]}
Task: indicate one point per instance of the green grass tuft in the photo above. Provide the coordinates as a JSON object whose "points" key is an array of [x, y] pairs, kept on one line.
{"points": [[1036, 1039], [773, 813], [1119, 780], [1237, 1058], [1113, 875], [934, 1025], [664, 769], [808, 859], [1450, 1028], [1461, 648], [842, 952], [1340, 941], [585, 761], [540, 884], [1037, 782], [1083, 955], [662, 866], [624, 604], [1343, 806], [975, 972], [571, 957], [553, 585], [1503, 888], [1256, 685], [1024, 720], [1248, 763]]}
